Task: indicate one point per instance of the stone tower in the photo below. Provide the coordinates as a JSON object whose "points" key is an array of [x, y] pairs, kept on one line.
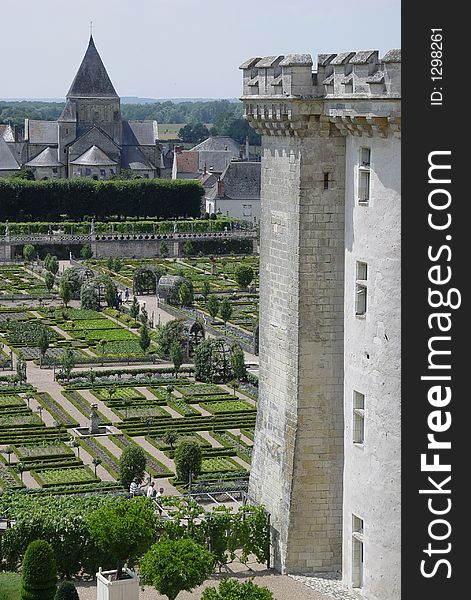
{"points": [[93, 98], [326, 461]]}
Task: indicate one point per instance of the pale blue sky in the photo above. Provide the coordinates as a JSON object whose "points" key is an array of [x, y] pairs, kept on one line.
{"points": [[177, 48]]}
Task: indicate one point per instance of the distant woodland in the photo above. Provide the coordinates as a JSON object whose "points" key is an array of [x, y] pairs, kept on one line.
{"points": [[224, 117]]}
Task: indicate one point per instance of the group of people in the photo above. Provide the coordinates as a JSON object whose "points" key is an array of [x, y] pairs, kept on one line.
{"points": [[152, 492]]}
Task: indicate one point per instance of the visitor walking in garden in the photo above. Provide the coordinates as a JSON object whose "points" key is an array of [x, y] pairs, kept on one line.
{"points": [[151, 492], [134, 487]]}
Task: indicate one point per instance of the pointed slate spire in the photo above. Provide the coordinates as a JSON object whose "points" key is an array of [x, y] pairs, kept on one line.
{"points": [[92, 80]]}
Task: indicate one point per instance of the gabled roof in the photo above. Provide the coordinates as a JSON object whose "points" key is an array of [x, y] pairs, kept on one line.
{"points": [[187, 161], [7, 161], [134, 159], [69, 114], [218, 143], [242, 180], [42, 132], [7, 133], [46, 158], [92, 80], [94, 157], [140, 133]]}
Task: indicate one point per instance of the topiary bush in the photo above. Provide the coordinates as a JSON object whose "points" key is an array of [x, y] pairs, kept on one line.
{"points": [[188, 458], [231, 589], [172, 566], [66, 591], [132, 463], [39, 572]]}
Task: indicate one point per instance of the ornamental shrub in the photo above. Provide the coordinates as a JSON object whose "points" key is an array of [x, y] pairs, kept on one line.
{"points": [[188, 459], [132, 463], [124, 530], [39, 572], [231, 589], [66, 591], [172, 566]]}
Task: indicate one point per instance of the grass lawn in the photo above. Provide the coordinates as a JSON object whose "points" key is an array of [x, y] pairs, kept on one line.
{"points": [[9, 586]]}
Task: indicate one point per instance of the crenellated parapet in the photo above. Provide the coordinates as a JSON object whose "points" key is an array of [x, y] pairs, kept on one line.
{"points": [[356, 93]]}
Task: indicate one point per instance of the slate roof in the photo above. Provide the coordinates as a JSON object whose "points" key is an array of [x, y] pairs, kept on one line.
{"points": [[94, 157], [42, 132], [134, 159], [46, 158], [140, 133], [69, 114], [7, 161], [216, 161], [7, 133], [92, 80], [218, 143], [242, 180]]}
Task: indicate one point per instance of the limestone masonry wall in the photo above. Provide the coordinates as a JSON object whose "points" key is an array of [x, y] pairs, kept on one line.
{"points": [[334, 502]]}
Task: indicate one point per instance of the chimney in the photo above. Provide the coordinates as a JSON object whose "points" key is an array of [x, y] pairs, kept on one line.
{"points": [[220, 188]]}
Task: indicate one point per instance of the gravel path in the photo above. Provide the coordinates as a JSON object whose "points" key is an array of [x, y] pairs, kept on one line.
{"points": [[282, 586]]}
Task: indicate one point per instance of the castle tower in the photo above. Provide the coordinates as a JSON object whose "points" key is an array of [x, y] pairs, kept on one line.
{"points": [[94, 98], [326, 460]]}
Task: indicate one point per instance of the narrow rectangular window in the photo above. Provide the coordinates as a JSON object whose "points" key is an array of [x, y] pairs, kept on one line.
{"points": [[326, 181], [364, 176], [357, 551], [361, 289], [247, 210], [358, 418]]}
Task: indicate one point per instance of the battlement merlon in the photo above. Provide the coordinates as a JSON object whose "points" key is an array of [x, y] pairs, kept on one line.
{"points": [[357, 91], [347, 75]]}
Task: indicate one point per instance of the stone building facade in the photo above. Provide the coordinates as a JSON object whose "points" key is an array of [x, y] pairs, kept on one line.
{"points": [[90, 139], [326, 461]]}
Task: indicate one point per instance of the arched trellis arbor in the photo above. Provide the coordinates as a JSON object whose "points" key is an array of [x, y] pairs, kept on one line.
{"points": [[96, 290], [196, 335], [146, 279]]}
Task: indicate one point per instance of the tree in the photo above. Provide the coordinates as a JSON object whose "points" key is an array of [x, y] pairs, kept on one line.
{"points": [[135, 307], [68, 362], [212, 305], [124, 530], [21, 367], [86, 252], [187, 248], [66, 591], [43, 342], [52, 264], [172, 566], [96, 462], [244, 276], [239, 370], [206, 289], [231, 589], [65, 290], [144, 337], [234, 385], [226, 310], [9, 450], [49, 280], [39, 572], [132, 463], [185, 295], [167, 334], [188, 459], [29, 252], [169, 437], [176, 356], [163, 250]]}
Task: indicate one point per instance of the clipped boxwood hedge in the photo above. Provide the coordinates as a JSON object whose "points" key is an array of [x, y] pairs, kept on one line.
{"points": [[24, 200]]}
